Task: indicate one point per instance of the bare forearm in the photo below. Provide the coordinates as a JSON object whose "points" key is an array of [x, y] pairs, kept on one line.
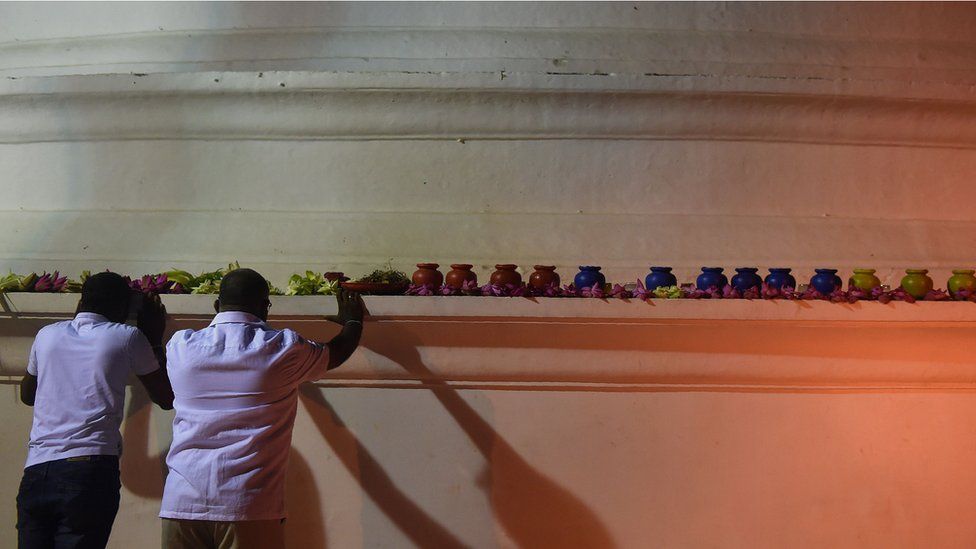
{"points": [[344, 345], [28, 389], [157, 383]]}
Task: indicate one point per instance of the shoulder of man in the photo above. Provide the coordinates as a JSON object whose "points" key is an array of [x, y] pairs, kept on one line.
{"points": [[52, 330]]}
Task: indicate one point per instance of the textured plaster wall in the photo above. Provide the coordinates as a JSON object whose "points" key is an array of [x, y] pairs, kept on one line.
{"points": [[145, 136], [344, 135]]}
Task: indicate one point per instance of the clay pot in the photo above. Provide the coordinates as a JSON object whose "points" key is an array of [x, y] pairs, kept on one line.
{"points": [[917, 283], [780, 277], [589, 275], [459, 274], [962, 280], [505, 275], [544, 275], [428, 275], [826, 281], [659, 276], [863, 279], [746, 279], [711, 277]]}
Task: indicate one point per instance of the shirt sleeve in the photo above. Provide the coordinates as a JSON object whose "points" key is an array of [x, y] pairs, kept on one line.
{"points": [[311, 360], [32, 361], [142, 360]]}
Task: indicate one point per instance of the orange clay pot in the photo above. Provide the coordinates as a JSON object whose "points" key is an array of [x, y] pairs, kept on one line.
{"points": [[428, 275], [505, 275], [543, 276], [459, 274]]}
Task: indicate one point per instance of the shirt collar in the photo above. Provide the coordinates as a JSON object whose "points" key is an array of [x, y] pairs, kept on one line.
{"points": [[236, 317], [89, 318]]}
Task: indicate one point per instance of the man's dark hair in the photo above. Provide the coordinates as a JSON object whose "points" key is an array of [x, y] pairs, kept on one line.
{"points": [[106, 294], [243, 289]]}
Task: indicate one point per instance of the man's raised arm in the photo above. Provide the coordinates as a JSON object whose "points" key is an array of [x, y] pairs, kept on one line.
{"points": [[152, 323], [350, 316]]}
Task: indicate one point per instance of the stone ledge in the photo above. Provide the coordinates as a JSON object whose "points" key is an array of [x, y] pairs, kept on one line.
{"points": [[388, 308], [592, 345]]}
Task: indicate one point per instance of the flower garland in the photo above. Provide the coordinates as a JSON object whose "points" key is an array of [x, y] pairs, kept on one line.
{"points": [[639, 291]]}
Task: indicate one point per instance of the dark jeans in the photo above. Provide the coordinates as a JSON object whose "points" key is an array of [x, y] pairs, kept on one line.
{"points": [[68, 503]]}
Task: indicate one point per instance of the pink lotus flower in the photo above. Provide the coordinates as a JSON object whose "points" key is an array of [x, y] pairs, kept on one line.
{"points": [[751, 293], [936, 295], [728, 292], [50, 282], [422, 289], [768, 292], [640, 292], [592, 291], [507, 290], [569, 291], [449, 290], [697, 294], [549, 290], [491, 290], [839, 296], [965, 295], [620, 292], [899, 294], [155, 284], [811, 293]]}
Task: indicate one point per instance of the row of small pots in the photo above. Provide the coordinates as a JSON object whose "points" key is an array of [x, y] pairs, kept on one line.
{"points": [[504, 275], [916, 282]]}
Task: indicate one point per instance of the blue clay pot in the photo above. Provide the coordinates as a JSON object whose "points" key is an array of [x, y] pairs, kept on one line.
{"points": [[588, 276], [660, 276], [746, 278], [779, 277], [826, 281], [711, 276]]}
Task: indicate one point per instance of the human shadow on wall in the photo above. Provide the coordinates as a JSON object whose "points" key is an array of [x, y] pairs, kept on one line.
{"points": [[533, 509], [144, 475], [422, 529]]}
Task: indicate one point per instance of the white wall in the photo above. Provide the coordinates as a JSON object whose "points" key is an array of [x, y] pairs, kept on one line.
{"points": [[343, 135], [140, 137]]}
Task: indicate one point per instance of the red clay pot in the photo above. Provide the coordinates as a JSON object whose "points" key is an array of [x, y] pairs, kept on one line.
{"points": [[459, 274], [505, 275], [543, 276], [428, 275]]}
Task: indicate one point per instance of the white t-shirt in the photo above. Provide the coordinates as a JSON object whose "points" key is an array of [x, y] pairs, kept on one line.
{"points": [[236, 387], [82, 367]]}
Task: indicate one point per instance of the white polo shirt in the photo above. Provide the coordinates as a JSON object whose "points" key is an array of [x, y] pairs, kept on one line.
{"points": [[82, 366], [236, 387]]}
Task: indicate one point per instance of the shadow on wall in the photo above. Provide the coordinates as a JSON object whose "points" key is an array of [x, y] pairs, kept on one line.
{"points": [[533, 510], [144, 475]]}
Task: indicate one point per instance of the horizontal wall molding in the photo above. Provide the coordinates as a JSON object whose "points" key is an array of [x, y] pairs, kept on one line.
{"points": [[921, 67], [289, 110]]}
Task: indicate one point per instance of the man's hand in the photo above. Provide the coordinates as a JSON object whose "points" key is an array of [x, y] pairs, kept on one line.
{"points": [[350, 306], [152, 319], [350, 315]]}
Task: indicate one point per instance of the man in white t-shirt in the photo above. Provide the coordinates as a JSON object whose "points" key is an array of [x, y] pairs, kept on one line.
{"points": [[76, 378], [236, 385]]}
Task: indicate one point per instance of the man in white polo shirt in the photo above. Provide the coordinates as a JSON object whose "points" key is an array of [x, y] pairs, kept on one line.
{"points": [[76, 378], [236, 385]]}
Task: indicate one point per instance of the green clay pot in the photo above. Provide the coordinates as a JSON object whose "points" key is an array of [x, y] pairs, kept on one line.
{"points": [[864, 279], [917, 283], [962, 280]]}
